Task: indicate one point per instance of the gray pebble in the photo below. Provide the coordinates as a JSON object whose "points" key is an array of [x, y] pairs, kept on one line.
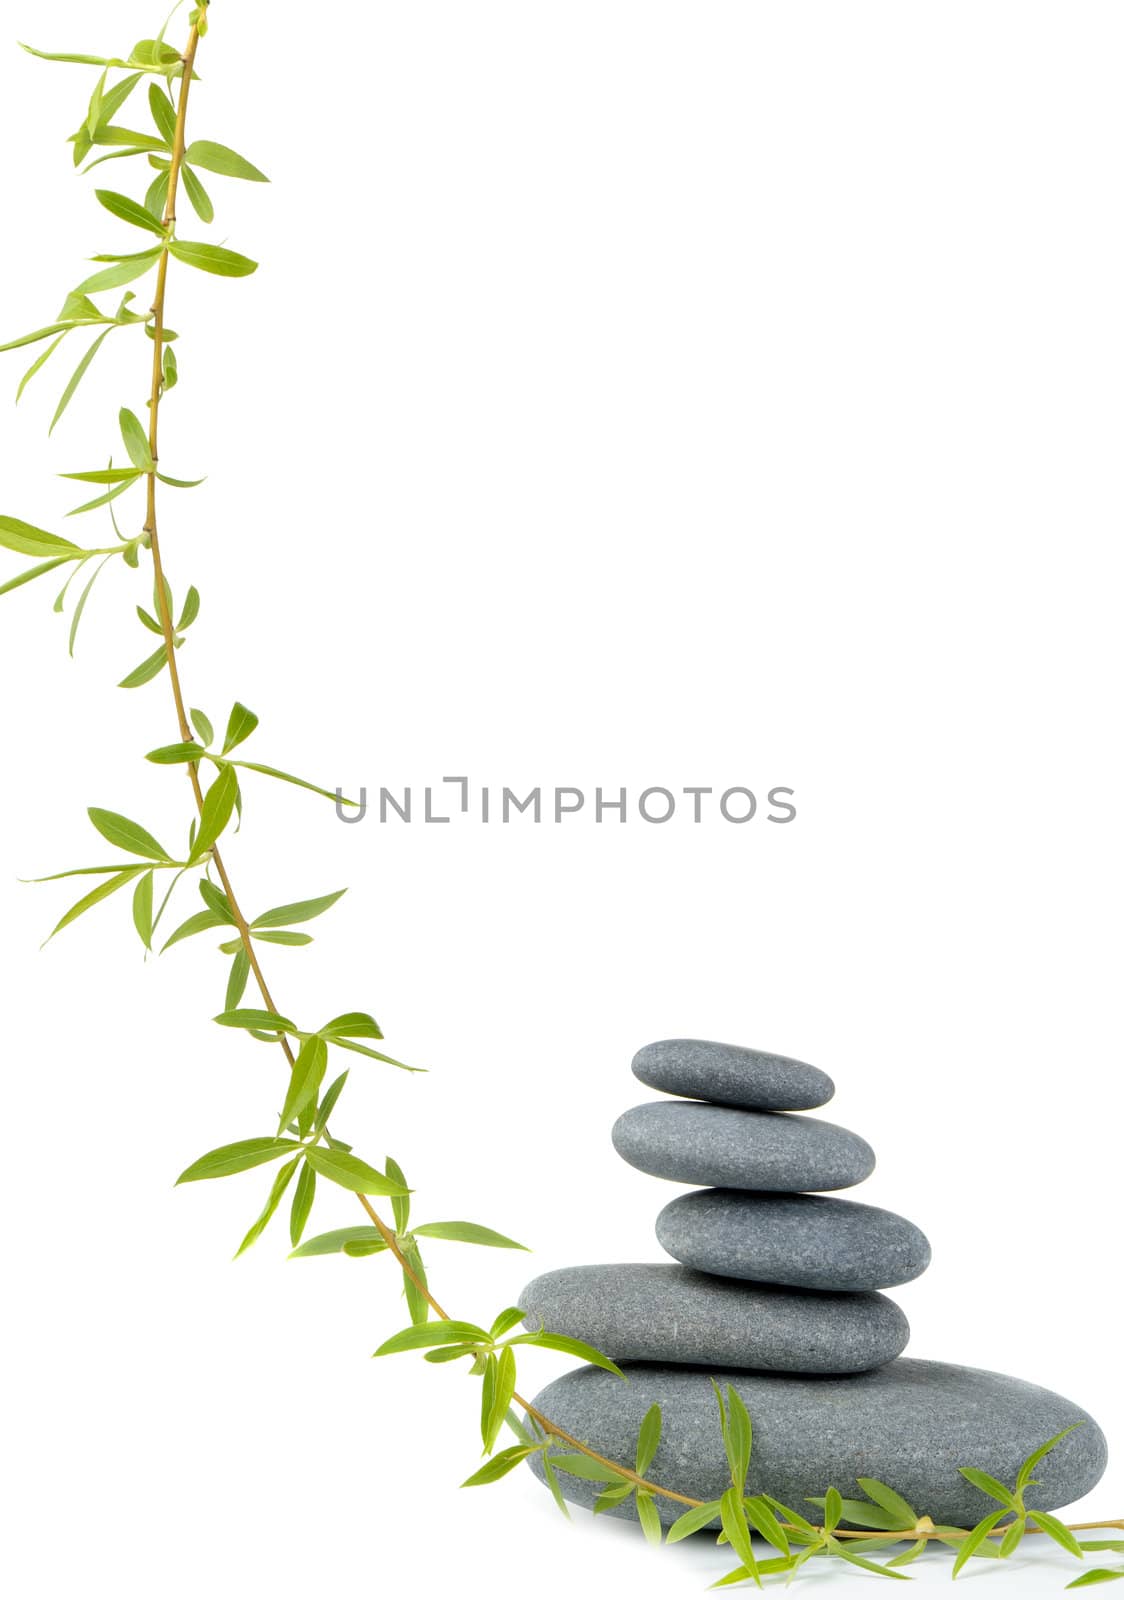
{"points": [[692, 1143], [669, 1313], [910, 1424], [804, 1241], [730, 1075]]}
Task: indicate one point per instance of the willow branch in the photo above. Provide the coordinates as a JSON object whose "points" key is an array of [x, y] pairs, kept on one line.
{"points": [[151, 529]]}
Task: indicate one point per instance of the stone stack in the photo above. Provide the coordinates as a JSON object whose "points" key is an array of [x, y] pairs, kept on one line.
{"points": [[774, 1289]]}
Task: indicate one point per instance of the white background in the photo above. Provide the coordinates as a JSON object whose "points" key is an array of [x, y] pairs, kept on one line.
{"points": [[630, 394]]}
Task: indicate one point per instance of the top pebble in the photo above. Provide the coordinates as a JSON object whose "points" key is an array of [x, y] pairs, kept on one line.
{"points": [[730, 1075]]}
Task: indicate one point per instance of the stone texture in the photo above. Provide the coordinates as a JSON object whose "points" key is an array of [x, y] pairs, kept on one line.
{"points": [[803, 1241], [730, 1075], [670, 1314], [910, 1424], [693, 1143]]}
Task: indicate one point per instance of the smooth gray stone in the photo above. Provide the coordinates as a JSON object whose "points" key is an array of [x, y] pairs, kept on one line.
{"points": [[693, 1143], [910, 1424], [804, 1241], [730, 1075], [666, 1313]]}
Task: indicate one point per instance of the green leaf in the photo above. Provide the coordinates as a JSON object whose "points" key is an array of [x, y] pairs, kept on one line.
{"points": [[693, 1521], [201, 922], [169, 755], [328, 1105], [1040, 1454], [616, 1494], [648, 1439], [93, 116], [357, 1241], [552, 1483], [303, 1196], [498, 1466], [569, 1347], [227, 163], [761, 1516], [401, 1202], [238, 1157], [793, 1517], [649, 1518], [862, 1514], [202, 726], [1012, 1538], [736, 1529], [190, 610], [104, 475], [306, 1077], [218, 808], [990, 1486], [163, 113], [431, 1334], [33, 338], [1096, 1575], [85, 61], [28, 541], [142, 909], [113, 99], [349, 1024], [282, 937], [127, 140], [95, 896], [240, 726], [890, 1501], [76, 377], [154, 53], [1058, 1532], [906, 1556], [171, 370], [122, 272], [280, 1184], [40, 361], [304, 911], [854, 1560], [416, 1302], [286, 777], [832, 1510], [180, 483], [197, 194], [509, 1318], [136, 441], [212, 258], [147, 670], [239, 975], [350, 1173], [500, 1400], [80, 608], [31, 574], [375, 1055], [580, 1466], [126, 835], [739, 1439], [976, 1538], [263, 1021], [129, 210], [216, 901], [467, 1233], [156, 195], [79, 308]]}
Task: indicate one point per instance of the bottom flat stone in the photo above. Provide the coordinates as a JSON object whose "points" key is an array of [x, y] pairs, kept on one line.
{"points": [[910, 1424]]}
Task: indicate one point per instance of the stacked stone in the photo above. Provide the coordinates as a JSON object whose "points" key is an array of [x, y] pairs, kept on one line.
{"points": [[775, 1289]]}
